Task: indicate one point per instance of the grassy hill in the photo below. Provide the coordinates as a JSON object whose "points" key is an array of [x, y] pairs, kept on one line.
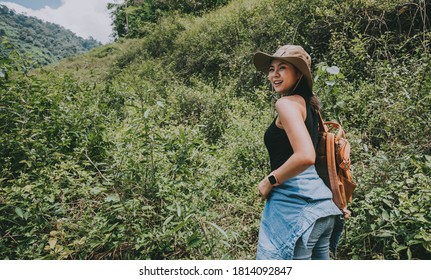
{"points": [[45, 42], [152, 148]]}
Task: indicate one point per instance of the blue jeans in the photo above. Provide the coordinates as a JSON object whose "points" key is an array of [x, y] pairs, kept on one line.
{"points": [[317, 247]]}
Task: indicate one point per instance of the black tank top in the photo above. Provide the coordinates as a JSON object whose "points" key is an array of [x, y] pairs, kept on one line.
{"points": [[277, 143]]}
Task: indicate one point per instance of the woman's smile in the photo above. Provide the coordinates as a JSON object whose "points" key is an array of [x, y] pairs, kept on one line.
{"points": [[277, 83]]}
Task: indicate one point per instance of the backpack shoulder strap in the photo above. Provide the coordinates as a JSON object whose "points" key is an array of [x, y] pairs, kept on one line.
{"points": [[332, 168], [321, 127]]}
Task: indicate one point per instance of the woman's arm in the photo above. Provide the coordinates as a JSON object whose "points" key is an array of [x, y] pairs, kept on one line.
{"points": [[292, 113]]}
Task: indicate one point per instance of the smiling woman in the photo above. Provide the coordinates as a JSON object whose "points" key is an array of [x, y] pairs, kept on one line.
{"points": [[299, 215]]}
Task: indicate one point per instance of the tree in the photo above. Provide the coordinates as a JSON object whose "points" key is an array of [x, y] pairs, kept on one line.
{"points": [[129, 18]]}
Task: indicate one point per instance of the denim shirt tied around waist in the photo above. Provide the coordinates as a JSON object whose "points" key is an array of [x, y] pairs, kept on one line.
{"points": [[290, 213]]}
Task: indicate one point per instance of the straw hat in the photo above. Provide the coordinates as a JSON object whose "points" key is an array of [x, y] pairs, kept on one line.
{"points": [[295, 55]]}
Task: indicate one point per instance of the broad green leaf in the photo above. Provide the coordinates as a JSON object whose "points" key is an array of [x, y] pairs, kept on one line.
{"points": [[147, 113], [428, 162], [194, 240], [168, 220], [179, 226], [409, 253], [218, 228], [97, 190], [385, 215], [400, 248], [52, 242], [427, 246], [19, 212], [387, 202], [113, 197], [26, 162], [131, 10], [385, 234], [178, 210], [112, 227]]}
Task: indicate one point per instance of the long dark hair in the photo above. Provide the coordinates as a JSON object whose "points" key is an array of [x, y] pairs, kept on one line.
{"points": [[304, 90]]}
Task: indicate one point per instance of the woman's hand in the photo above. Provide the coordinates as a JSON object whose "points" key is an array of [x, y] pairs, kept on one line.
{"points": [[265, 188]]}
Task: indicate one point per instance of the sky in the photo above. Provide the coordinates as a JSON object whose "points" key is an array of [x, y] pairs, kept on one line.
{"points": [[83, 17]]}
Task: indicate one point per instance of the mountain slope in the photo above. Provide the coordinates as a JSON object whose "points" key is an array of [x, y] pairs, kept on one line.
{"points": [[45, 42]]}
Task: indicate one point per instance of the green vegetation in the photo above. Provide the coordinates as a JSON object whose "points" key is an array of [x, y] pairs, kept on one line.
{"points": [[45, 42], [152, 148], [135, 18]]}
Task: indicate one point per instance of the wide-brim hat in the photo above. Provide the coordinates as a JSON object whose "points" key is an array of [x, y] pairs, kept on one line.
{"points": [[293, 54]]}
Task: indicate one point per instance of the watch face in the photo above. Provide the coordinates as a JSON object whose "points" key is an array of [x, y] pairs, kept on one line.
{"points": [[272, 179]]}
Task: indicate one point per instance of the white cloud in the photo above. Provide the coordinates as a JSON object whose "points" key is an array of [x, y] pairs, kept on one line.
{"points": [[84, 17]]}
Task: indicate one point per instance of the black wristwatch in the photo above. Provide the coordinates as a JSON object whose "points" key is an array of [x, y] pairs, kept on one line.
{"points": [[272, 179]]}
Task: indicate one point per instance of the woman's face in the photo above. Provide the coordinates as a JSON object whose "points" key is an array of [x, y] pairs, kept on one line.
{"points": [[283, 76]]}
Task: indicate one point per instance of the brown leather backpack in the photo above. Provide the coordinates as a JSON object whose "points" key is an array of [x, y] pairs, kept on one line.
{"points": [[333, 163]]}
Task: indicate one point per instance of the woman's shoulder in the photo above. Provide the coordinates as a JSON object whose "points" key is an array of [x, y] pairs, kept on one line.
{"points": [[292, 104], [291, 101]]}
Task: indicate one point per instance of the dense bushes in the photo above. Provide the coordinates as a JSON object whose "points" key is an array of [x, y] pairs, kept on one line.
{"points": [[156, 153]]}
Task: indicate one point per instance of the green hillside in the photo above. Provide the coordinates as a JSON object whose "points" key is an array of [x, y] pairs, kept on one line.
{"points": [[44, 42], [152, 147]]}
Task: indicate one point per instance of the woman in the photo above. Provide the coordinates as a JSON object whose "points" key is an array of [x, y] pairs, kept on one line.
{"points": [[299, 214]]}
